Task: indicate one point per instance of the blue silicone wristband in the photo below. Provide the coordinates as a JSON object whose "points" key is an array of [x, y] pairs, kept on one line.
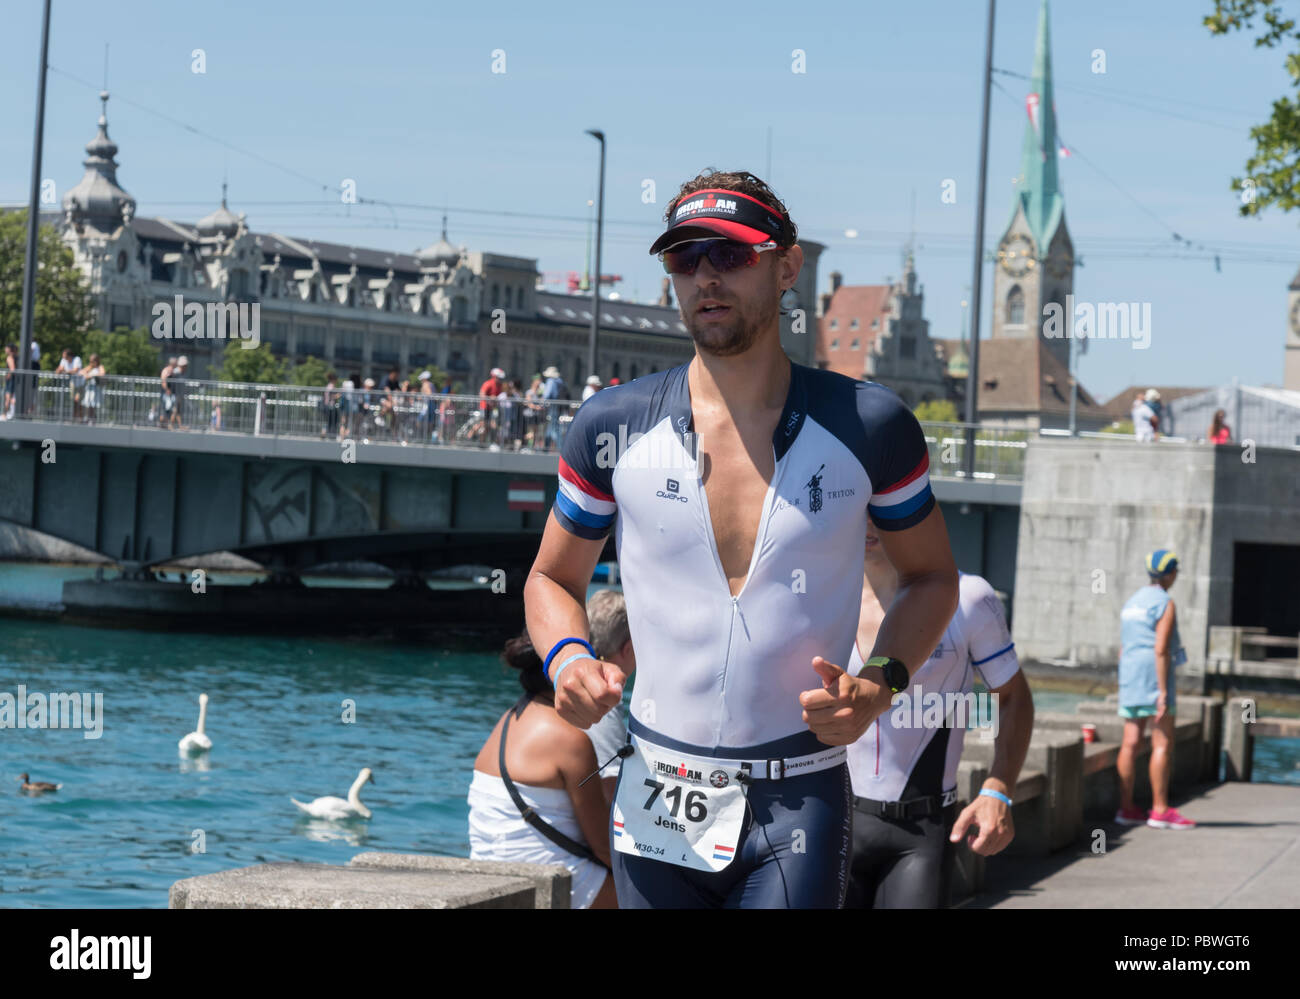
{"points": [[560, 669], [572, 640], [988, 792]]}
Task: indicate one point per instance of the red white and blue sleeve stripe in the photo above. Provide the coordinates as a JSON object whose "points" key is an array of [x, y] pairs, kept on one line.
{"points": [[581, 507], [906, 502]]}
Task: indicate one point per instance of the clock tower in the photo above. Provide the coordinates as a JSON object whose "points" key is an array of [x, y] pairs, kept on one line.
{"points": [[1034, 263], [1291, 364]]}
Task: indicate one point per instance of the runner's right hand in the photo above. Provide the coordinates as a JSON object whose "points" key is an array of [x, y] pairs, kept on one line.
{"points": [[587, 689]]}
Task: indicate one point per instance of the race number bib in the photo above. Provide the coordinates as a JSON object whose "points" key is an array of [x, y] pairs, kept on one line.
{"points": [[678, 809]]}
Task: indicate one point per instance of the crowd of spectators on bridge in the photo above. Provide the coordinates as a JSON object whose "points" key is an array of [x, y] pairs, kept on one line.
{"points": [[502, 416]]}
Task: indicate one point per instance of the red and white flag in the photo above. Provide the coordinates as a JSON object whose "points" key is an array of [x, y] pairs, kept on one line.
{"points": [[526, 496]]}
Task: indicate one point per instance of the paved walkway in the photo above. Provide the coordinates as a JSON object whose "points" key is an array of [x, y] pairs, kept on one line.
{"points": [[1243, 854]]}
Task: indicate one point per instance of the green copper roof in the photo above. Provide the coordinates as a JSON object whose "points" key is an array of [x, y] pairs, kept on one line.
{"points": [[1038, 189]]}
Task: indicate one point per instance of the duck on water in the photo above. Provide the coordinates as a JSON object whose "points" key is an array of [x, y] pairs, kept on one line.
{"points": [[36, 786]]}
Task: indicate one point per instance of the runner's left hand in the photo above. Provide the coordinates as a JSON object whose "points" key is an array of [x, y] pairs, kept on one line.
{"points": [[841, 709], [996, 829]]}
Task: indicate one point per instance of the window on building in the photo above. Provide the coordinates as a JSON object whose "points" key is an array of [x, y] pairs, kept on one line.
{"points": [[1015, 307], [853, 324], [577, 372], [349, 345], [238, 287], [311, 340], [907, 347], [120, 315], [496, 295], [386, 348], [276, 334], [875, 324], [631, 373], [835, 344], [615, 370], [857, 344], [835, 324]]}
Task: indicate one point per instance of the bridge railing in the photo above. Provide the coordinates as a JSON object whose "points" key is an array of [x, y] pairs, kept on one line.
{"points": [[999, 452], [196, 405], [413, 418]]}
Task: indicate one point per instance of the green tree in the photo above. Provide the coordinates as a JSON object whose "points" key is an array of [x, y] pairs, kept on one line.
{"points": [[311, 372], [1273, 170], [63, 311], [123, 352], [256, 365], [937, 411]]}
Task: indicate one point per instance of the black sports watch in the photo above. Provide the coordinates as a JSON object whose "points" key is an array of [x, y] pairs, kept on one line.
{"points": [[896, 675]]}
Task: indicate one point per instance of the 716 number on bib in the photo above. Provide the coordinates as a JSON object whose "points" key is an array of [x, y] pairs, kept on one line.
{"points": [[695, 807]]}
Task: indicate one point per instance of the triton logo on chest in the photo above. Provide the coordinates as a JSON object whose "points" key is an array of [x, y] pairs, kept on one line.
{"points": [[814, 487]]}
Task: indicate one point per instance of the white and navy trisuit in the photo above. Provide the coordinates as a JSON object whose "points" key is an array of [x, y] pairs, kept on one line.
{"points": [[899, 861], [719, 675]]}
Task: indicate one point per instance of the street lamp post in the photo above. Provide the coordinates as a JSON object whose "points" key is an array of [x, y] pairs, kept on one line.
{"points": [[595, 283], [973, 376], [33, 228]]}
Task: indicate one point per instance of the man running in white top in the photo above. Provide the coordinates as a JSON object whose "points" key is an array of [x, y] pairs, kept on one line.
{"points": [[904, 768], [739, 485]]}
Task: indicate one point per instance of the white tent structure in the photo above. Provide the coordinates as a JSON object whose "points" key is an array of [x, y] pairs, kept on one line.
{"points": [[1268, 416]]}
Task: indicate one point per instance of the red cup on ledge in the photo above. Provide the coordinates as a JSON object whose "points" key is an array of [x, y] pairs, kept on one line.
{"points": [[1089, 733]]}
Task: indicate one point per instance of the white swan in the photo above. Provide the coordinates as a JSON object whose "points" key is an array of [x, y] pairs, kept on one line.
{"points": [[337, 808], [197, 742]]}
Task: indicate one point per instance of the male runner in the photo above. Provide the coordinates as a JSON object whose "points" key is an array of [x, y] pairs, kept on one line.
{"points": [[904, 774], [740, 484]]}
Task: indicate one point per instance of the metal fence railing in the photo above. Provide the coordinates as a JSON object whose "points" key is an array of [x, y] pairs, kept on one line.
{"points": [[407, 417], [503, 423], [999, 452]]}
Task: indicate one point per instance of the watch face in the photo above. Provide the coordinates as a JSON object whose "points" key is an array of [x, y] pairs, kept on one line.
{"points": [[1016, 255]]}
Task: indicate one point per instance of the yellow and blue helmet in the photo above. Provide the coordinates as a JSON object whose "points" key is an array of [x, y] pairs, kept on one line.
{"points": [[1161, 561]]}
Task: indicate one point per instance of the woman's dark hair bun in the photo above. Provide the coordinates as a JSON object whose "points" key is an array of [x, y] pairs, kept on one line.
{"points": [[520, 655]]}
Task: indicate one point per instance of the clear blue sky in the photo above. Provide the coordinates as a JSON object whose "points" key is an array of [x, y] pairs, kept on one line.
{"points": [[400, 97]]}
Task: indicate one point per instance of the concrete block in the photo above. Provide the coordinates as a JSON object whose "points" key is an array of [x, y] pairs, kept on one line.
{"points": [[966, 876], [553, 882], [1060, 756], [324, 886], [1030, 813], [1109, 726], [1239, 739]]}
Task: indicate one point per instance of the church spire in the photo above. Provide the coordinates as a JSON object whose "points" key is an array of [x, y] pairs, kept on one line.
{"points": [[1039, 187]]}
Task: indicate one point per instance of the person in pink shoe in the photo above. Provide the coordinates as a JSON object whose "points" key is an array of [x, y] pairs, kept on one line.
{"points": [[1150, 651]]}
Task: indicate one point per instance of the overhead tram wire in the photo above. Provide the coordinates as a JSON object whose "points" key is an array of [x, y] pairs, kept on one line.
{"points": [[202, 134], [1215, 255], [869, 242], [1115, 95]]}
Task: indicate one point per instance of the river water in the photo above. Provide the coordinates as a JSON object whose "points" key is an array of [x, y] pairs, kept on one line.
{"points": [[132, 817]]}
